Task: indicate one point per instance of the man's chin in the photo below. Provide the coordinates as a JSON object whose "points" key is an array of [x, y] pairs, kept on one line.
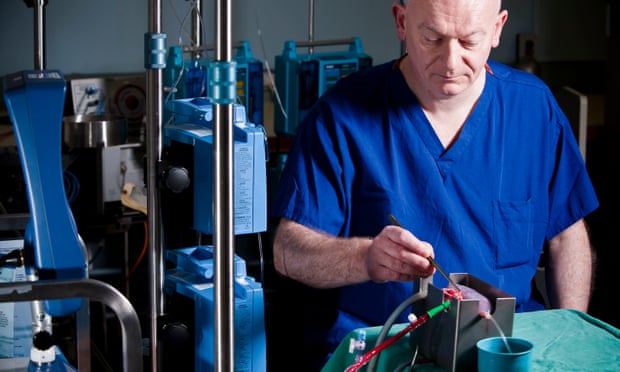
{"points": [[450, 90]]}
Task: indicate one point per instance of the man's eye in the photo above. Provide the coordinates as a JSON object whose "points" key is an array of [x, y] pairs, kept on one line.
{"points": [[432, 40], [469, 43]]}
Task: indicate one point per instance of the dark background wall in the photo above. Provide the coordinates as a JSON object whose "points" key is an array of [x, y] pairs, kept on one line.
{"points": [[90, 36]]}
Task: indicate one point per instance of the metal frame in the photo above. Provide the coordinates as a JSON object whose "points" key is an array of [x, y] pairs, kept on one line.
{"points": [[95, 290], [223, 197]]}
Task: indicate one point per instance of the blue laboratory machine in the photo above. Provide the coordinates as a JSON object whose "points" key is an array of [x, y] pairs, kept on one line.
{"points": [[302, 78], [189, 143], [51, 248], [192, 132], [189, 78], [35, 100]]}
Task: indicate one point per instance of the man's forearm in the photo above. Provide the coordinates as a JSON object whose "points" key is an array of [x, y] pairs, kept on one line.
{"points": [[570, 268], [317, 259]]}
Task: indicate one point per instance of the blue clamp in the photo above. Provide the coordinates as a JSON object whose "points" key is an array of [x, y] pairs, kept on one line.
{"points": [[154, 51], [223, 82]]}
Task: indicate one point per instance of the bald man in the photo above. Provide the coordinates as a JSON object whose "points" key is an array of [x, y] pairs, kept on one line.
{"points": [[474, 158]]}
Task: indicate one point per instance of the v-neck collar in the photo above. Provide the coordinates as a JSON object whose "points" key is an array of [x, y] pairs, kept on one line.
{"points": [[413, 113]]}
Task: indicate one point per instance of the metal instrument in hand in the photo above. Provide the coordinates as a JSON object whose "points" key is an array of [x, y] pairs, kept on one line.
{"points": [[430, 259]]}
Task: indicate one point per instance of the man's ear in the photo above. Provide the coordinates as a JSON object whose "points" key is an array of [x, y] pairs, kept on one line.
{"points": [[499, 26], [398, 12]]}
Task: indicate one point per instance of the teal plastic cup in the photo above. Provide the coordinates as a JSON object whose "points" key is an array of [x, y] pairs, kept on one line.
{"points": [[511, 354]]}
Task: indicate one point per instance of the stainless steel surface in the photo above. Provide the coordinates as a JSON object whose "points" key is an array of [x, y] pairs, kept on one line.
{"points": [[94, 131], [442, 272], [39, 34], [154, 143], [224, 242], [223, 206], [197, 26], [205, 47], [450, 337], [311, 26], [131, 338], [83, 338], [324, 42]]}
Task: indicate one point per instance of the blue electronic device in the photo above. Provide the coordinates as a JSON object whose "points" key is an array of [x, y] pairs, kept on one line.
{"points": [[192, 126], [35, 102], [192, 277], [302, 78], [250, 82], [190, 79]]}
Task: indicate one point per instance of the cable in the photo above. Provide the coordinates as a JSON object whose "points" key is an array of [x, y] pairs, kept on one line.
{"points": [[182, 21], [422, 287], [96, 254], [142, 253], [266, 62], [408, 364], [413, 359], [72, 185], [193, 44], [413, 325], [174, 86], [261, 259]]}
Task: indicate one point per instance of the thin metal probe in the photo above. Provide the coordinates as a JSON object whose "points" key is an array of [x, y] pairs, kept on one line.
{"points": [[430, 259], [443, 273]]}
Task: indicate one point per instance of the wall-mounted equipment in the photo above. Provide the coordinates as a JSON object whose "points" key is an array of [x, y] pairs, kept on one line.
{"points": [[302, 78]]}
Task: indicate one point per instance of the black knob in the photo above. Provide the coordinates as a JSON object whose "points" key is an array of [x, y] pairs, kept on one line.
{"points": [[177, 179], [42, 340]]}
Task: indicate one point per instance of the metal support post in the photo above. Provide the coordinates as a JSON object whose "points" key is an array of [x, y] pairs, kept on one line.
{"points": [[223, 203], [154, 63]]}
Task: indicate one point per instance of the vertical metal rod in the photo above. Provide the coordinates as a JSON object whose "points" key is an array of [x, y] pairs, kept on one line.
{"points": [[154, 83], [311, 26], [83, 337], [196, 27], [39, 35], [223, 206]]}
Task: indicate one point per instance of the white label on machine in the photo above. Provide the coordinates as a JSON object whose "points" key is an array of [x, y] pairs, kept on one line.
{"points": [[15, 318]]}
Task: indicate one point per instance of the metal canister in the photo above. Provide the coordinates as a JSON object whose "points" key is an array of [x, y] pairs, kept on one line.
{"points": [[94, 131]]}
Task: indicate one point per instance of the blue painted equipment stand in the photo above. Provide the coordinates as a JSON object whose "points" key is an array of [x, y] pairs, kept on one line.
{"points": [[35, 102]]}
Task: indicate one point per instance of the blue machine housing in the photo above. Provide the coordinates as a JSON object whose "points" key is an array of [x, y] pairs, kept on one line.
{"points": [[35, 102], [250, 83], [192, 277], [193, 125], [302, 78], [190, 79]]}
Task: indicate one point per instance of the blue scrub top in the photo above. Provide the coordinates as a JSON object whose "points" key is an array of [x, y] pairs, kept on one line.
{"points": [[513, 179]]}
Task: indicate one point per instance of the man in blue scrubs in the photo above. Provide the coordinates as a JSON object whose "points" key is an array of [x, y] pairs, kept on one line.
{"points": [[475, 159]]}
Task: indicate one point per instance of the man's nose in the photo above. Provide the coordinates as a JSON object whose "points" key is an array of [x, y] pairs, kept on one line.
{"points": [[452, 54]]}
